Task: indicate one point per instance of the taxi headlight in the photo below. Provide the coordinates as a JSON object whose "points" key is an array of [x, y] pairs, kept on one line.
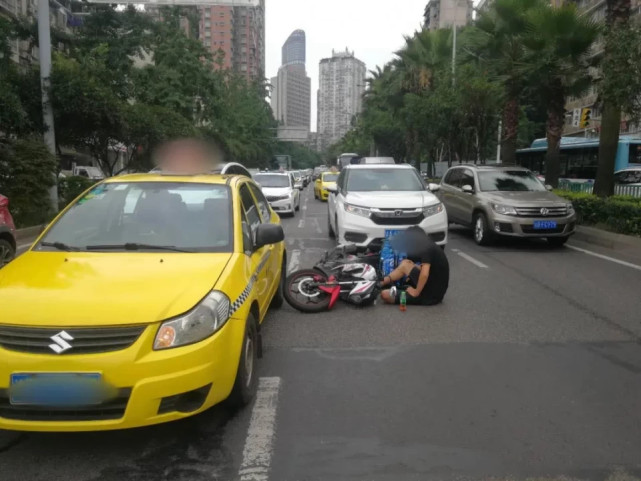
{"points": [[201, 322]]}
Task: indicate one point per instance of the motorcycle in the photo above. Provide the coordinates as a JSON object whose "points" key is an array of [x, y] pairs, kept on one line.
{"points": [[346, 272]]}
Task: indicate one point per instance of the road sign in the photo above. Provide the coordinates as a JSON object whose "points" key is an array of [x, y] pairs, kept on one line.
{"points": [[222, 3], [576, 117]]}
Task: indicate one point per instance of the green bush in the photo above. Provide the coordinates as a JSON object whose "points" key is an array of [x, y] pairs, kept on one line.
{"points": [[71, 187], [620, 214], [27, 171]]}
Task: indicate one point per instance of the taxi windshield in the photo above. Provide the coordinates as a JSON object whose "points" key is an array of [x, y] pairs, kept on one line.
{"points": [[330, 177], [146, 216]]}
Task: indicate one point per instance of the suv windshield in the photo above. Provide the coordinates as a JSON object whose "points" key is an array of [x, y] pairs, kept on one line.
{"points": [[397, 180], [509, 181], [272, 180], [117, 216]]}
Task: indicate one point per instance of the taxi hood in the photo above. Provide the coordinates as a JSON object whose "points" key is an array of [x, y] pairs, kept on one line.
{"points": [[94, 289]]}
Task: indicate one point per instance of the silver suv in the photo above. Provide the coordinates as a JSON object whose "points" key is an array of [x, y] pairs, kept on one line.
{"points": [[506, 201]]}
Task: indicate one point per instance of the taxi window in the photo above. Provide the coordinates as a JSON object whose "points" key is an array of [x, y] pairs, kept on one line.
{"points": [[263, 205]]}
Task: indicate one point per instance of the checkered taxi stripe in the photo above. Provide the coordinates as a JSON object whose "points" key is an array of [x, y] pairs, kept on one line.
{"points": [[238, 303]]}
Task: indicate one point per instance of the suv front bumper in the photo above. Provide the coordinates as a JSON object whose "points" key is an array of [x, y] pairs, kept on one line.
{"points": [[509, 225]]}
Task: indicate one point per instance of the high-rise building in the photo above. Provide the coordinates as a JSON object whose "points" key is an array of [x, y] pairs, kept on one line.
{"points": [[340, 95], [292, 90], [235, 35], [446, 13]]}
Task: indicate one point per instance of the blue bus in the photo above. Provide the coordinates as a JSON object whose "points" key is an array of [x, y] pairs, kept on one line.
{"points": [[579, 156]]}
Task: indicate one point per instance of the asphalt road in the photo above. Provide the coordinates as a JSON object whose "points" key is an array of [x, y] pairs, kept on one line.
{"points": [[530, 368]]}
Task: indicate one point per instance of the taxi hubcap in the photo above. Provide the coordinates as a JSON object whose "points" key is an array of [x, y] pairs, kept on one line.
{"points": [[249, 358]]}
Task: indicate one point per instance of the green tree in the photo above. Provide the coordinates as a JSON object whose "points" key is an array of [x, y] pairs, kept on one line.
{"points": [[558, 45]]}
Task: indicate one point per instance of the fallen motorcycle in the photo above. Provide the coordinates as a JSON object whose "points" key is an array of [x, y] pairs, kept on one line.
{"points": [[346, 272]]}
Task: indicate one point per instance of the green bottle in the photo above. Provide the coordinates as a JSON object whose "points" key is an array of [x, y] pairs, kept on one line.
{"points": [[403, 301]]}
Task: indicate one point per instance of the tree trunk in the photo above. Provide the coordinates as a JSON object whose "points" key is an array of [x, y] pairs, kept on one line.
{"points": [[510, 130], [554, 131], [617, 14], [608, 144]]}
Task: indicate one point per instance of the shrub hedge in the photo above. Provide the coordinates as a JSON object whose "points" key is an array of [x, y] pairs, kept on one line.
{"points": [[620, 214], [71, 187]]}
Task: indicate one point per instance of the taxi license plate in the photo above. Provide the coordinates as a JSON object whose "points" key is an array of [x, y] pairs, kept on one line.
{"points": [[57, 389], [544, 224]]}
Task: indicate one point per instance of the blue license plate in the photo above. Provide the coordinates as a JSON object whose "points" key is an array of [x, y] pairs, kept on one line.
{"points": [[544, 224], [58, 389], [391, 233]]}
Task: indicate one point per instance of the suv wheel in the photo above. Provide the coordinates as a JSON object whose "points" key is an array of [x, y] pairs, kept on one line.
{"points": [[482, 233], [7, 253]]}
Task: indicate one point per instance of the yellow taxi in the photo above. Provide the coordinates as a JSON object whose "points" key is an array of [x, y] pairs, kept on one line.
{"points": [[141, 303], [326, 179]]}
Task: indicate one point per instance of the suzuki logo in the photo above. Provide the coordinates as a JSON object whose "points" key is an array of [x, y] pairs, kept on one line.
{"points": [[544, 211], [60, 342], [398, 213]]}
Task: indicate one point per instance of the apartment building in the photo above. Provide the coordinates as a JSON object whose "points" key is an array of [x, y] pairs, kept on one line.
{"points": [[448, 13]]}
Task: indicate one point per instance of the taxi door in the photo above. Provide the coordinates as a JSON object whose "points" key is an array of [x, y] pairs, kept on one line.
{"points": [[260, 258]]}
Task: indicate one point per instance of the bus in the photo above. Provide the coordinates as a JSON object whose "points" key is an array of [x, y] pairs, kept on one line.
{"points": [[579, 156], [346, 159]]}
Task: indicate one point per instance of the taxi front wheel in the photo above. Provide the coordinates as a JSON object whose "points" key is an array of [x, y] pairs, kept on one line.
{"points": [[246, 382]]}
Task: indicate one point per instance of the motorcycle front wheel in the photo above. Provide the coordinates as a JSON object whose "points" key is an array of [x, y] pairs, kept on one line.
{"points": [[303, 293]]}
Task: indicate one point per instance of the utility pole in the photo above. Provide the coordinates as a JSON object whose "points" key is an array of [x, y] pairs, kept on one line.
{"points": [[44, 45], [498, 144], [454, 55]]}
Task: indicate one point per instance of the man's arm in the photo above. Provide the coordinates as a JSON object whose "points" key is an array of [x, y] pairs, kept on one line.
{"points": [[422, 280]]}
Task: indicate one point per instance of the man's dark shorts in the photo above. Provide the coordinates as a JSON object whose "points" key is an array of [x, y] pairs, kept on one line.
{"points": [[424, 299]]}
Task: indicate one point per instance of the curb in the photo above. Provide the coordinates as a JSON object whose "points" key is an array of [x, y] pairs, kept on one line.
{"points": [[607, 239], [29, 232]]}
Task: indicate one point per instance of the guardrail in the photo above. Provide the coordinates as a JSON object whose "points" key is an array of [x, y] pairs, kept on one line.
{"points": [[587, 187]]}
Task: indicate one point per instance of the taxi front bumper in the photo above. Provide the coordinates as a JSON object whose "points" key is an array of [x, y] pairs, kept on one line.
{"points": [[153, 386]]}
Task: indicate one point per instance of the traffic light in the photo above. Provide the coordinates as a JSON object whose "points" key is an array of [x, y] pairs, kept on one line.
{"points": [[586, 115]]}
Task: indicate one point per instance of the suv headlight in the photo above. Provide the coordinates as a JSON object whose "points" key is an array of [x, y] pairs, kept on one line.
{"points": [[432, 210], [504, 209], [570, 209], [201, 322], [352, 209]]}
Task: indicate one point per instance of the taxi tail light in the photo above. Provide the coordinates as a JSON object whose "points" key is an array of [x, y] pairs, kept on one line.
{"points": [[186, 402]]}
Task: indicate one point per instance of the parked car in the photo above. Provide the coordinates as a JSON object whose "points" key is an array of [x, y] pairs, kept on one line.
{"points": [[630, 177], [505, 201], [368, 200], [323, 183], [7, 233], [84, 349], [280, 190]]}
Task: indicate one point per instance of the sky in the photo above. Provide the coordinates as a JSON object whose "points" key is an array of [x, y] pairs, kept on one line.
{"points": [[373, 29]]}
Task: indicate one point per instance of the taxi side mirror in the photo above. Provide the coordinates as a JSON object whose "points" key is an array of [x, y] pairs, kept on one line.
{"points": [[267, 234]]}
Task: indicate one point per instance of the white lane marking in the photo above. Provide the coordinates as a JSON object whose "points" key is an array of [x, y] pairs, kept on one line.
{"points": [[301, 223], [471, 259], [259, 444], [294, 261], [317, 224], [604, 257]]}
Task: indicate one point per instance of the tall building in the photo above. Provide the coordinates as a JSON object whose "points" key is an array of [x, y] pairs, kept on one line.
{"points": [[340, 95], [236, 35], [446, 13], [292, 91]]}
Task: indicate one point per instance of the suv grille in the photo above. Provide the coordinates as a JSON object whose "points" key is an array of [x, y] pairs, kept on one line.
{"points": [[397, 217], [114, 409], [554, 211], [85, 340]]}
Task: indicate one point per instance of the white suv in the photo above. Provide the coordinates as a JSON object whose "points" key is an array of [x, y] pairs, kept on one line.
{"points": [[280, 191], [371, 199]]}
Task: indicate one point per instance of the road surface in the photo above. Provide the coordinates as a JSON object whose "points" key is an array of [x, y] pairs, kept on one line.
{"points": [[530, 368]]}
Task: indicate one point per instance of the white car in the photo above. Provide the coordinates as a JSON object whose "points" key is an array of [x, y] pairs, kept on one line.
{"points": [[280, 191], [630, 176], [371, 199]]}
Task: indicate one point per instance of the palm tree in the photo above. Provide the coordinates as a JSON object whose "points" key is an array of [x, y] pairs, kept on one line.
{"points": [[617, 18], [498, 41], [557, 64]]}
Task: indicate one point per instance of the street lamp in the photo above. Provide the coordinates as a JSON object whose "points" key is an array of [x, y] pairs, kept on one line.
{"points": [[44, 45]]}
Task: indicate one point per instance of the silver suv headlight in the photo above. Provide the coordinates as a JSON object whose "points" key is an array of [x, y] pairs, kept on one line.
{"points": [[570, 209], [201, 322], [433, 210], [352, 209], [504, 209]]}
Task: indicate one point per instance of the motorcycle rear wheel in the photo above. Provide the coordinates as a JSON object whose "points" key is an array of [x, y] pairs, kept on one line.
{"points": [[304, 297]]}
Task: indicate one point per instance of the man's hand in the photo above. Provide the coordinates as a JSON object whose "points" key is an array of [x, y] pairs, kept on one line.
{"points": [[412, 292]]}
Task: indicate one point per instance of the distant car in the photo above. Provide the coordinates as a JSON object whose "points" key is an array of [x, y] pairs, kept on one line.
{"points": [[505, 201], [7, 233], [630, 177], [376, 160], [298, 179], [369, 200], [324, 181], [280, 191]]}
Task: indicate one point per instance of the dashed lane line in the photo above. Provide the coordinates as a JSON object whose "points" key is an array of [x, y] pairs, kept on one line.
{"points": [[259, 444], [471, 259], [604, 257]]}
